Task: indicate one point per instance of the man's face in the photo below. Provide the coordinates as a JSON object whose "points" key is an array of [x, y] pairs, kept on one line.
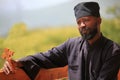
{"points": [[88, 27]]}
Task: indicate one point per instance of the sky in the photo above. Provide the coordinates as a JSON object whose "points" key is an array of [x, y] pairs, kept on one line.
{"points": [[11, 5], [40, 3], [11, 10]]}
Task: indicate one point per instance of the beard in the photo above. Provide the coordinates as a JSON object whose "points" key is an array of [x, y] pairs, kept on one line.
{"points": [[88, 33]]}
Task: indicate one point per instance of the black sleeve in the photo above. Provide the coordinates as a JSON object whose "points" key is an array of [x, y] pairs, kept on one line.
{"points": [[111, 65], [56, 57]]}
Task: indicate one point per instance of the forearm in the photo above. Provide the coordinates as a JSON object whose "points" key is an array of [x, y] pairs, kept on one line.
{"points": [[19, 64]]}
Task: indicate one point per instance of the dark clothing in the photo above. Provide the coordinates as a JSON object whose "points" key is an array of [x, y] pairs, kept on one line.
{"points": [[100, 61]]}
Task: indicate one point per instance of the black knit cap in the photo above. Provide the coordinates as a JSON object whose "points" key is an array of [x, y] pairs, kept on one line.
{"points": [[87, 9]]}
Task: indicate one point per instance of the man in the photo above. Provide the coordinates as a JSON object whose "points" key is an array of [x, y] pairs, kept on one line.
{"points": [[90, 57]]}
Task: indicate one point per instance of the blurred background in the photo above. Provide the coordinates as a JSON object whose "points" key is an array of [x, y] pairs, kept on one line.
{"points": [[31, 26]]}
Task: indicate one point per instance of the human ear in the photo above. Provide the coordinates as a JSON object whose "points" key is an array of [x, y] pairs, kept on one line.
{"points": [[99, 20]]}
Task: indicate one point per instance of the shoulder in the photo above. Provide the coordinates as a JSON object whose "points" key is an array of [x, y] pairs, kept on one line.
{"points": [[74, 40], [112, 46], [116, 47]]}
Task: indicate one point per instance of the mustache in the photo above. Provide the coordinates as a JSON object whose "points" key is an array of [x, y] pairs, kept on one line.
{"points": [[84, 28]]}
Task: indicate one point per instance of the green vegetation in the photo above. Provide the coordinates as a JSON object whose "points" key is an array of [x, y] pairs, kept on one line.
{"points": [[24, 42], [111, 29]]}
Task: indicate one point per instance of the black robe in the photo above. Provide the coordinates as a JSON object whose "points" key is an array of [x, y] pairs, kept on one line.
{"points": [[100, 61]]}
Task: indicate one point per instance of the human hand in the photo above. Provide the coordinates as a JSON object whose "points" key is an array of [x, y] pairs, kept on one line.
{"points": [[9, 67]]}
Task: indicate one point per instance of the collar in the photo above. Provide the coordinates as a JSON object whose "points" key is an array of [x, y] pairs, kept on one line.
{"points": [[97, 43]]}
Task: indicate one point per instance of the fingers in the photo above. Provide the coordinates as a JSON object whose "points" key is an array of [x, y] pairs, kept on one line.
{"points": [[7, 68], [15, 63]]}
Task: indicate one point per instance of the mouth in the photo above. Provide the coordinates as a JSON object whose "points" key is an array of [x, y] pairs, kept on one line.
{"points": [[84, 31]]}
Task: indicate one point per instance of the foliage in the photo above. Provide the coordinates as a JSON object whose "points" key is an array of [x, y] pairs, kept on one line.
{"points": [[24, 42], [115, 10], [17, 30], [1, 50], [36, 40], [111, 29]]}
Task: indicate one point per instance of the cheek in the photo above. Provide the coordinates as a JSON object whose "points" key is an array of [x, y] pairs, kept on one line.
{"points": [[94, 25]]}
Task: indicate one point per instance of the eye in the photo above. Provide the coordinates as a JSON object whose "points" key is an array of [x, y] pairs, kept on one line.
{"points": [[85, 20], [78, 22]]}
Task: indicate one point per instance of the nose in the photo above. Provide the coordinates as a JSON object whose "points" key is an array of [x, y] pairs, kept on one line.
{"points": [[82, 25]]}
